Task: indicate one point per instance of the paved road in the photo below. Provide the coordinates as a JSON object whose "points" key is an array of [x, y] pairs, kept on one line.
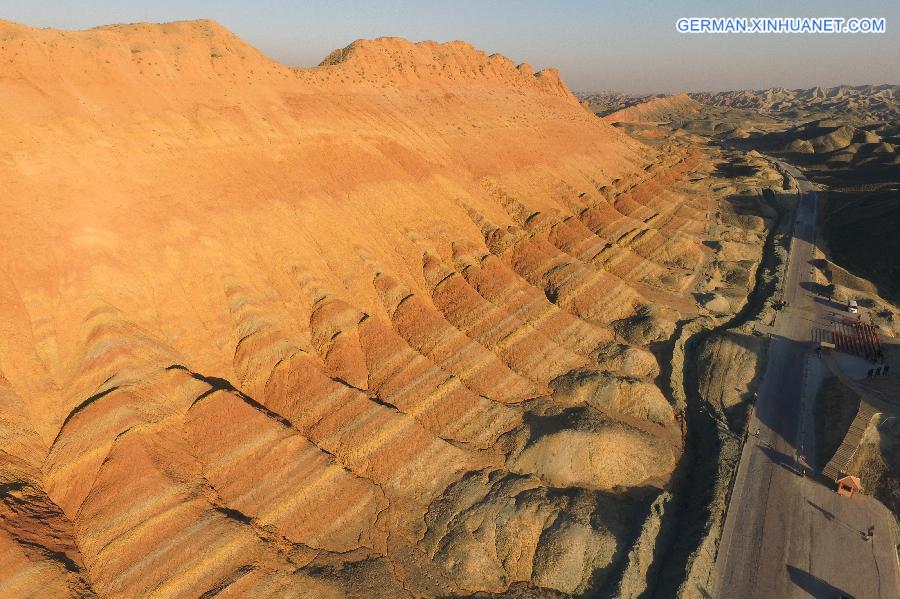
{"points": [[786, 535]]}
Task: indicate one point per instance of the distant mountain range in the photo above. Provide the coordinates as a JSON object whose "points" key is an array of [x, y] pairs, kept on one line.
{"points": [[865, 102]]}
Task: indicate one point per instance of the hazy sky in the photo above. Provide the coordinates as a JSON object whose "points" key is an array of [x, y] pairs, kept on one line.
{"points": [[598, 45]]}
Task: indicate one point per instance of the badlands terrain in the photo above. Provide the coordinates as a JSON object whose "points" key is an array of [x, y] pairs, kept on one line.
{"points": [[604, 103], [846, 141], [409, 323], [855, 103]]}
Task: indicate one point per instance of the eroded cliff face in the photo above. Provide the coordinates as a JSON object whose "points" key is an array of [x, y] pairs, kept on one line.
{"points": [[375, 328]]}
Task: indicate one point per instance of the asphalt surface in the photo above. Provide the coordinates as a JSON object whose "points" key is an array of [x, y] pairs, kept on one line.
{"points": [[788, 535]]}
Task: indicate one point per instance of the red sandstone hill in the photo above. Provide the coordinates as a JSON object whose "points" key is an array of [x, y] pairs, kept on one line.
{"points": [[656, 109], [346, 329]]}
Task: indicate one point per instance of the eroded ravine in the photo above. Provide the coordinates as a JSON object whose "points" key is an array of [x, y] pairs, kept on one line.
{"points": [[691, 522]]}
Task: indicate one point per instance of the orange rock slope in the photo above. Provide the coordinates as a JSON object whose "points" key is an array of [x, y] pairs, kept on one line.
{"points": [[656, 109], [375, 328]]}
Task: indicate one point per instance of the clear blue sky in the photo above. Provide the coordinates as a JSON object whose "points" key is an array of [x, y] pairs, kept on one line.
{"points": [[627, 46]]}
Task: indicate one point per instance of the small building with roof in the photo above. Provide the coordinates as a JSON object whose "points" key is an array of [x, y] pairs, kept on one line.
{"points": [[849, 485]]}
